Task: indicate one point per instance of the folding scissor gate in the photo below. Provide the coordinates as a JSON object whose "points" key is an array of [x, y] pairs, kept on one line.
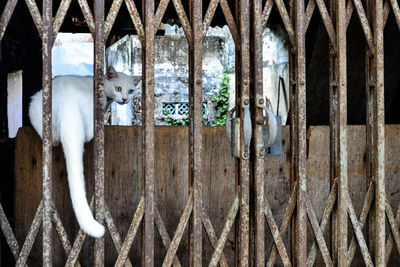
{"points": [[246, 20]]}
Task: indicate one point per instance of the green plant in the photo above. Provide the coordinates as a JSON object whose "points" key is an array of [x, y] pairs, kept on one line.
{"points": [[173, 121], [222, 99]]}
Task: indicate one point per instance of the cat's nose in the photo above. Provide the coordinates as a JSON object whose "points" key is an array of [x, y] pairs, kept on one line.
{"points": [[124, 99]]}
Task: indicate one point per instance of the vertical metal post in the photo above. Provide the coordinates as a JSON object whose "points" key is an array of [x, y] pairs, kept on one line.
{"points": [[293, 129], [148, 123], [238, 79], [380, 137], [370, 69], [196, 131], [258, 136], [99, 126], [47, 131], [245, 153], [342, 131], [333, 122], [302, 133]]}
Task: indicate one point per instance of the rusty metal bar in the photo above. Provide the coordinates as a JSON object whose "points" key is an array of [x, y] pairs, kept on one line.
{"points": [[285, 224], [112, 15], [258, 135], [359, 235], [386, 11], [363, 216], [211, 234], [396, 11], [47, 41], [276, 235], [301, 224], [173, 247], [184, 21], [148, 140], [379, 137], [59, 18], [286, 21], [77, 246], [164, 234], [88, 15], [393, 226], [196, 132], [212, 7], [31, 236], [37, 18], [266, 12], [293, 135], [389, 243], [370, 87], [137, 22], [327, 21], [364, 23], [112, 228], [324, 222], [162, 6], [309, 12], [98, 156], [349, 13], [244, 164], [333, 137], [62, 234], [230, 219], [230, 21], [342, 132], [130, 236], [8, 234], [318, 233], [6, 15]]}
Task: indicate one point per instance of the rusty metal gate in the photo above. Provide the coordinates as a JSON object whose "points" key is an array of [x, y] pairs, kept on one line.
{"points": [[246, 22]]}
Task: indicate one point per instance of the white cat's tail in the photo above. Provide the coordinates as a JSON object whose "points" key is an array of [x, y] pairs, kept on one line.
{"points": [[72, 139]]}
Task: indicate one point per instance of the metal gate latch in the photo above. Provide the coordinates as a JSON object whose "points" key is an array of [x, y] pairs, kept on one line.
{"points": [[272, 131], [232, 127]]}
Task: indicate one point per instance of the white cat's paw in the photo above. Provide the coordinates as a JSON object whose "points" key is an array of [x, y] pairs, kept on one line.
{"points": [[96, 230]]}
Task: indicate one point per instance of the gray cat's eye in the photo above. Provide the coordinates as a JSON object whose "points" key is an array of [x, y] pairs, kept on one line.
{"points": [[118, 88], [130, 91]]}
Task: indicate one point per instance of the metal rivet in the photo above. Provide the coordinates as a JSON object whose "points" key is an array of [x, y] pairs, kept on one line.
{"points": [[261, 101], [261, 153], [198, 82], [302, 83], [246, 82], [259, 82], [343, 84], [246, 102], [246, 154], [150, 82]]}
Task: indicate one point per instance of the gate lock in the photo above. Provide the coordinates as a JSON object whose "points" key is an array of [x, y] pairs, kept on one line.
{"points": [[272, 131]]}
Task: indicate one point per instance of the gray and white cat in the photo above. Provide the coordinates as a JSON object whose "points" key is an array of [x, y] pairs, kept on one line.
{"points": [[72, 123]]}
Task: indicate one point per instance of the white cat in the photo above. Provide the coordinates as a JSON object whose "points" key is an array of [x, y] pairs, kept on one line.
{"points": [[72, 124]]}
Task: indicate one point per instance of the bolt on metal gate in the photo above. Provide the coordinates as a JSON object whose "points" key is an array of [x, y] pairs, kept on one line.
{"points": [[246, 22]]}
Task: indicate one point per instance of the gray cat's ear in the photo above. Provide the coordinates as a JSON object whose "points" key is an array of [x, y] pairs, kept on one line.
{"points": [[111, 73], [136, 80]]}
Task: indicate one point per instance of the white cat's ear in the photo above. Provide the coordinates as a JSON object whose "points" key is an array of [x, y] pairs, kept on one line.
{"points": [[111, 73]]}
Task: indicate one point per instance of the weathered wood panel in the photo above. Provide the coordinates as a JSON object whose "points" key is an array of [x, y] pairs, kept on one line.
{"points": [[123, 173]]}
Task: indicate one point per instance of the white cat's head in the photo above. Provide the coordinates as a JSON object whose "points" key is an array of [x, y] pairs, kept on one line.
{"points": [[119, 86]]}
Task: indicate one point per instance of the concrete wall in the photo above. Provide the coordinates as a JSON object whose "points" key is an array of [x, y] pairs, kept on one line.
{"points": [[171, 70]]}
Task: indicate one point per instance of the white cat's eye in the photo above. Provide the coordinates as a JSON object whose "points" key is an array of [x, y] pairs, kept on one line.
{"points": [[130, 91], [118, 88]]}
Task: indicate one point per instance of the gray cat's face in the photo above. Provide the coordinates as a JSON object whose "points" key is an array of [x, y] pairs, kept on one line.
{"points": [[119, 86]]}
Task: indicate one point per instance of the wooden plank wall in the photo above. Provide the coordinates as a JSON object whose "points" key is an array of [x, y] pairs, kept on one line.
{"points": [[123, 173]]}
